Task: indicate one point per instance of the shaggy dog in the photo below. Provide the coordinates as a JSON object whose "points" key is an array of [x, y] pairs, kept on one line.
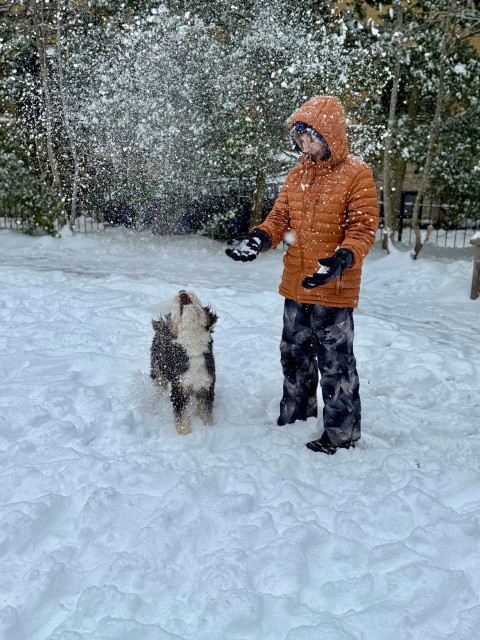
{"points": [[182, 355]]}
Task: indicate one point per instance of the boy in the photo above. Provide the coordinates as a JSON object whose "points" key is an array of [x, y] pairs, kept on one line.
{"points": [[329, 206]]}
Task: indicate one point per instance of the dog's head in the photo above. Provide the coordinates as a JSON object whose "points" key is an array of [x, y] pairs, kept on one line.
{"points": [[188, 314]]}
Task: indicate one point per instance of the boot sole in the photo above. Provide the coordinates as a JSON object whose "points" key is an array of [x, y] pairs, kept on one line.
{"points": [[329, 450]]}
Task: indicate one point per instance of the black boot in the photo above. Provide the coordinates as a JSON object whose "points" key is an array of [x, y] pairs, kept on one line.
{"points": [[324, 445]]}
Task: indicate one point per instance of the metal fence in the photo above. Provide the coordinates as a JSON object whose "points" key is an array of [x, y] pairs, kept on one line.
{"points": [[446, 227], [12, 217]]}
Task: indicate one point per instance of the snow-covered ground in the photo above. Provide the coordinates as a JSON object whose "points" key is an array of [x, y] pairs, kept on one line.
{"points": [[113, 527]]}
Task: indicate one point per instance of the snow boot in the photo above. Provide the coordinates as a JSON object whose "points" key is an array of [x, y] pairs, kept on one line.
{"points": [[324, 445]]}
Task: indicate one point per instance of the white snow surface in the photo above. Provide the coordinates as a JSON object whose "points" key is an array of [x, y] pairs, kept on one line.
{"points": [[244, 246], [323, 269], [113, 527]]}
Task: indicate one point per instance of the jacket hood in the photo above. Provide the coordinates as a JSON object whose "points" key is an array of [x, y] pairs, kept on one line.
{"points": [[325, 114]]}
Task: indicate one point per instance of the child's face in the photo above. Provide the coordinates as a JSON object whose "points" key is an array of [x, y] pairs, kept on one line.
{"points": [[312, 145]]}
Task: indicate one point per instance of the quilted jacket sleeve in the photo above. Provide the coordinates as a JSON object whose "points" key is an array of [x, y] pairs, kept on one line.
{"points": [[278, 220], [362, 222]]}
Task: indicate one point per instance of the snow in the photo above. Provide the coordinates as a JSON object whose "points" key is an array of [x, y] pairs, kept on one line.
{"points": [[114, 527], [245, 248], [323, 269]]}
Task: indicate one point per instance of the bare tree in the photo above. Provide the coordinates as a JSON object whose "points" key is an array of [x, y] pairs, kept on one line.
{"points": [[258, 197], [432, 137], [40, 33], [401, 162], [66, 121], [389, 230]]}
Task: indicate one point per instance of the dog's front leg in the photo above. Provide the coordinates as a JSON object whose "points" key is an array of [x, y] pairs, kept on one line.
{"points": [[180, 399], [205, 399]]}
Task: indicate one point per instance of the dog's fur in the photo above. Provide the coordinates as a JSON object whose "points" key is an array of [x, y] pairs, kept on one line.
{"points": [[182, 356]]}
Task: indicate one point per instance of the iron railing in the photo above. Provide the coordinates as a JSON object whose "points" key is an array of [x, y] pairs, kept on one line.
{"points": [[12, 217], [447, 228], [445, 225]]}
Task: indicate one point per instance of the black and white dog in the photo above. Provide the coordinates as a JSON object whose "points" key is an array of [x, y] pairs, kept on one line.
{"points": [[182, 355]]}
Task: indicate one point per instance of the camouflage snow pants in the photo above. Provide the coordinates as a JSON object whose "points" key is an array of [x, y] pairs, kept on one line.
{"points": [[315, 338]]}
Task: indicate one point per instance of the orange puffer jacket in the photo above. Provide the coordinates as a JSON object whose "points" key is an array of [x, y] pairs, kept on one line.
{"points": [[325, 205]]}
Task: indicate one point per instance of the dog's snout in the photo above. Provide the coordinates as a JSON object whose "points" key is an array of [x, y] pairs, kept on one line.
{"points": [[184, 298]]}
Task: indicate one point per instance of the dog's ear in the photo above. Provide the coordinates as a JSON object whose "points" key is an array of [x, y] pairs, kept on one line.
{"points": [[211, 317], [159, 325]]}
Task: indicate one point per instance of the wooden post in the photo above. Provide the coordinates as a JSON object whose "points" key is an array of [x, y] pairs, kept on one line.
{"points": [[476, 267]]}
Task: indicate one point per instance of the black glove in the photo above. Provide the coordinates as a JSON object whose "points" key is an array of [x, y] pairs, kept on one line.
{"points": [[248, 247], [332, 268]]}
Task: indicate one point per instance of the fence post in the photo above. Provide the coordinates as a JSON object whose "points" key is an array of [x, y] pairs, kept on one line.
{"points": [[476, 266]]}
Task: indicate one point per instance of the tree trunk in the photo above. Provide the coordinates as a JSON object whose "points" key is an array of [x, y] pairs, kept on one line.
{"points": [[432, 136], [401, 165], [389, 229], [38, 154], [398, 180], [258, 198], [39, 31], [76, 170]]}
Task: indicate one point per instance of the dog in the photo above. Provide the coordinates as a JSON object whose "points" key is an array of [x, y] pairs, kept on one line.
{"points": [[182, 357]]}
